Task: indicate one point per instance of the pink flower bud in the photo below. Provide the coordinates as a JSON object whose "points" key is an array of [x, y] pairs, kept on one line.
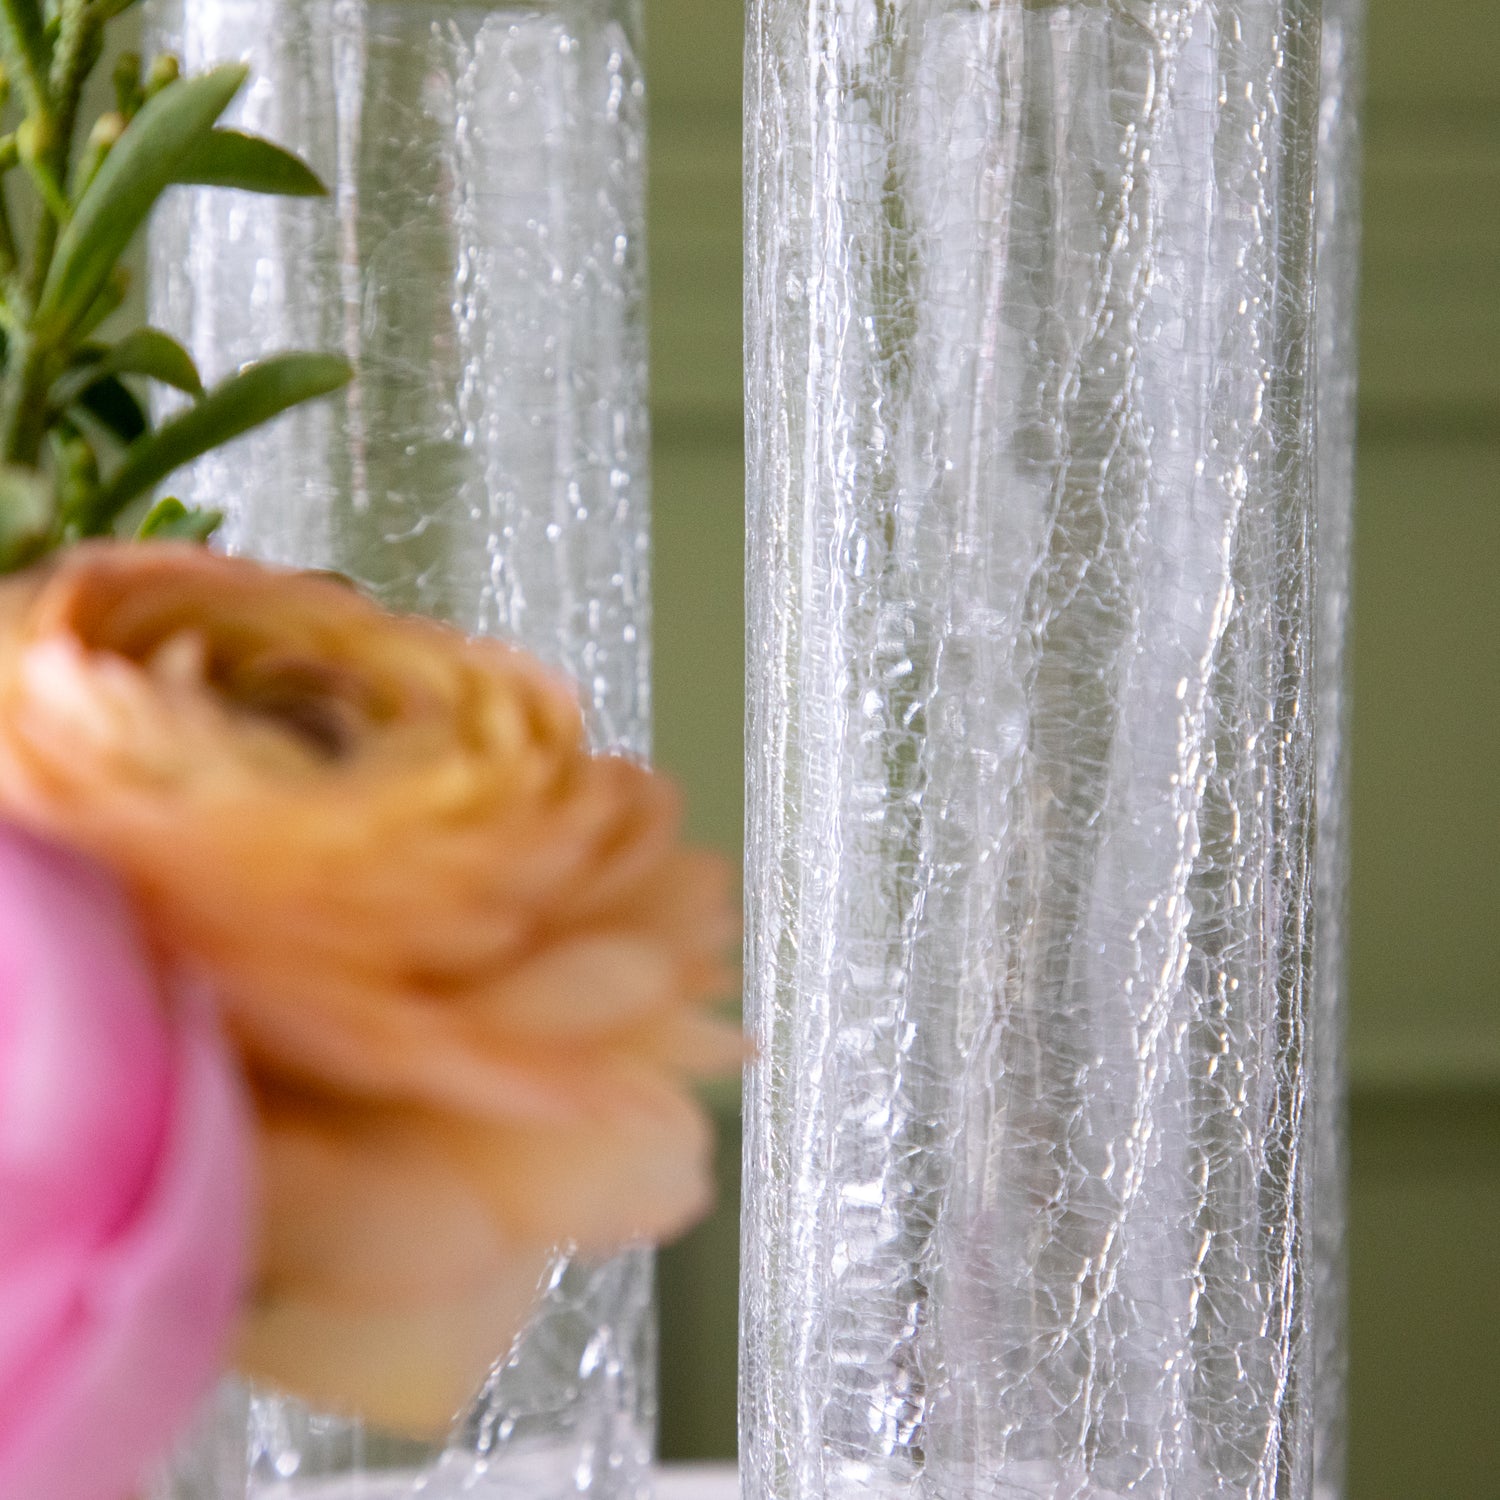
{"points": [[124, 1164]]}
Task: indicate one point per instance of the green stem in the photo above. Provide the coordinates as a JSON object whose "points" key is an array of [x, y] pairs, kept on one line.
{"points": [[42, 246], [25, 402], [77, 52], [77, 39], [10, 254], [53, 95], [26, 44]]}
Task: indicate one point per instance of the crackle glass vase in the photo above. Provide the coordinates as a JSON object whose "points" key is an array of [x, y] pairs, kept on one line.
{"points": [[1338, 224], [480, 261], [1046, 569]]}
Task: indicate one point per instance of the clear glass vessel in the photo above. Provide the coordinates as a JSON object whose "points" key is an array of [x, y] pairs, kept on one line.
{"points": [[1037, 725], [1338, 226], [480, 260]]}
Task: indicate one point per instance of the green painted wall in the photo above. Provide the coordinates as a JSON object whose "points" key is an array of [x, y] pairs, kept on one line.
{"points": [[1425, 972], [1425, 976]]}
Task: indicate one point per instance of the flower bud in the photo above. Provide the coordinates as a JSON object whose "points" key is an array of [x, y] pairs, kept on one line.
{"points": [[35, 136], [108, 129], [165, 69], [127, 81]]}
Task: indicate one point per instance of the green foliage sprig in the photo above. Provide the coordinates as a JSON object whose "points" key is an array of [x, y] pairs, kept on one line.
{"points": [[77, 446]]}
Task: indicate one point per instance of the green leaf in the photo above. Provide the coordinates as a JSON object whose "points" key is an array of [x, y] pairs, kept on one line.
{"points": [[143, 163], [169, 520], [147, 351], [232, 159], [255, 395], [113, 403], [25, 515], [109, 301]]}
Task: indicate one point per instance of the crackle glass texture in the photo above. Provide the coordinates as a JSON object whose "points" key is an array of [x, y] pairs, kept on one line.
{"points": [[1035, 554], [1338, 242], [480, 260]]}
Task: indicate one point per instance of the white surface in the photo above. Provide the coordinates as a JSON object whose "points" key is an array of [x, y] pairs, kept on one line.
{"points": [[672, 1481], [698, 1482]]}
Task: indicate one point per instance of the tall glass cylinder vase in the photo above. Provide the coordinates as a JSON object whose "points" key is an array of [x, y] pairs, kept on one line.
{"points": [[1338, 225], [480, 260], [1036, 723]]}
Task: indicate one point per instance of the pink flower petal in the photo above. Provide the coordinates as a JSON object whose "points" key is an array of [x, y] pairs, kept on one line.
{"points": [[84, 1056], [124, 1149], [150, 1314]]}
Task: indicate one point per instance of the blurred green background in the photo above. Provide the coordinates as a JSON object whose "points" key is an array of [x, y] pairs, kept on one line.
{"points": [[1425, 975]]}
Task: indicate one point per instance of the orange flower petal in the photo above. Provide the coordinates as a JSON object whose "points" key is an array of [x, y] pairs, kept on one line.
{"points": [[408, 1368], [373, 1215], [466, 962], [639, 1173]]}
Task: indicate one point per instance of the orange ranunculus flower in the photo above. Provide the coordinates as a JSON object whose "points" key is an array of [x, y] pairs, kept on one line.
{"points": [[466, 962]]}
